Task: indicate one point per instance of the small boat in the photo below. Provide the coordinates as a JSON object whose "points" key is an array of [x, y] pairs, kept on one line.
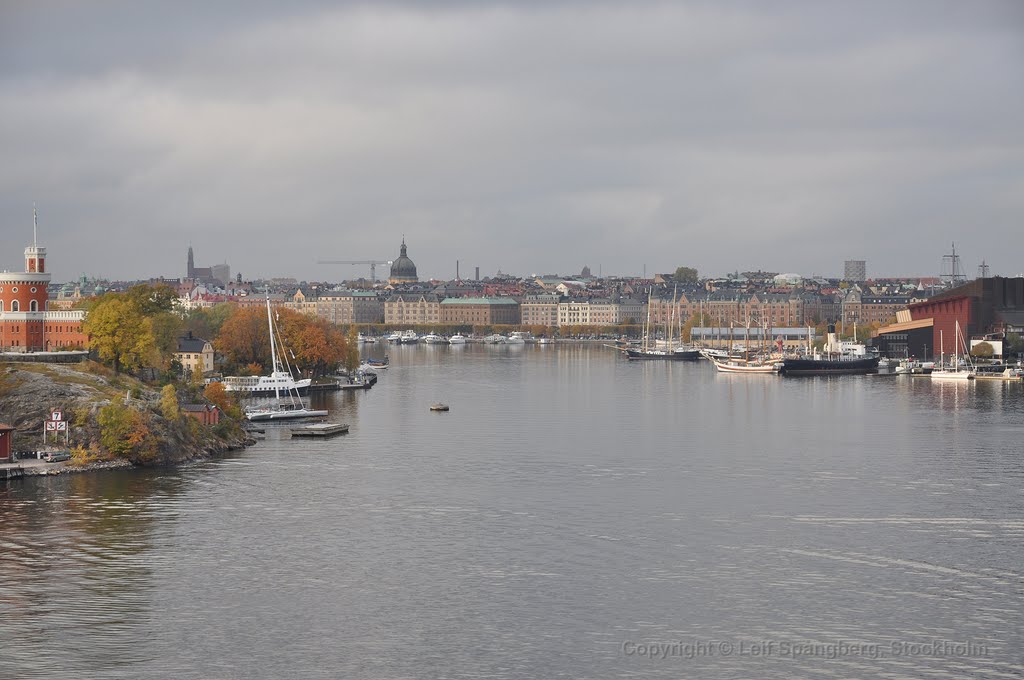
{"points": [[378, 363], [366, 339], [433, 339], [495, 339], [394, 337], [439, 407], [457, 339], [545, 341], [409, 337], [886, 367]]}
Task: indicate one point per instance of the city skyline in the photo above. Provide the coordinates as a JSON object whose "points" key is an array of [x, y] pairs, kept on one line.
{"points": [[526, 138]]}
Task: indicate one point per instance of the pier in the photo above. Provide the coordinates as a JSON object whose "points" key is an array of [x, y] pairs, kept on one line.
{"points": [[320, 430]]}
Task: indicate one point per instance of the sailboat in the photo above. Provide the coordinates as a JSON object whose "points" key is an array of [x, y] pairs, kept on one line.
{"points": [[281, 410], [956, 372], [650, 349]]}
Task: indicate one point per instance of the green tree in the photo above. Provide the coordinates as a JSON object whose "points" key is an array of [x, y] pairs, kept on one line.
{"points": [[983, 350], [120, 334], [167, 327], [152, 300], [352, 359], [123, 431], [686, 275]]}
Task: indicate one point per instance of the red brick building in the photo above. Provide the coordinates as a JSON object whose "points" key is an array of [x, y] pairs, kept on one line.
{"points": [[26, 322]]}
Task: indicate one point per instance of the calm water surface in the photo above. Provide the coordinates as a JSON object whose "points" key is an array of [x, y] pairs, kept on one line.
{"points": [[570, 510]]}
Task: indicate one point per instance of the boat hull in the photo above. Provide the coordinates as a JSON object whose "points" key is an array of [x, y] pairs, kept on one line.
{"points": [[727, 367], [663, 354], [829, 366], [285, 415]]}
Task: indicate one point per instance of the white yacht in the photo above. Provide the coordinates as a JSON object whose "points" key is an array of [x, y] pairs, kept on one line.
{"points": [[457, 339], [433, 339], [395, 337], [409, 337]]}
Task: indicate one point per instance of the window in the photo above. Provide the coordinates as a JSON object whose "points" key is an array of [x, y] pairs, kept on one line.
{"points": [[14, 306], [33, 306]]}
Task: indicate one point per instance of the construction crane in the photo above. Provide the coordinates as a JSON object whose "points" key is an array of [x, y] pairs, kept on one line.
{"points": [[373, 265]]}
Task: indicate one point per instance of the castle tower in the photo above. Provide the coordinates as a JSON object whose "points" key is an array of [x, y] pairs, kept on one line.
{"points": [[191, 263], [35, 256]]}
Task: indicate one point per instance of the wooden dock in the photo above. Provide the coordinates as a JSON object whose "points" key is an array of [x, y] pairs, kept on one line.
{"points": [[320, 430], [11, 472]]}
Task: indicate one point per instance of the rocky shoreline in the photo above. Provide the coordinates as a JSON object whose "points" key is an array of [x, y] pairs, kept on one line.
{"points": [[28, 392]]}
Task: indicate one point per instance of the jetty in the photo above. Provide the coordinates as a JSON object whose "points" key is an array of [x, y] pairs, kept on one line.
{"points": [[320, 430]]}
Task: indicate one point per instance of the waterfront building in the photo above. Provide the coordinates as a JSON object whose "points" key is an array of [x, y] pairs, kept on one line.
{"points": [[403, 270], [992, 306], [539, 310], [412, 309], [194, 354], [486, 311], [27, 324], [350, 306]]}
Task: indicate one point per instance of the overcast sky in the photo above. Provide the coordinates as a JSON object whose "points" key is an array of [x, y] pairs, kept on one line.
{"points": [[528, 136]]}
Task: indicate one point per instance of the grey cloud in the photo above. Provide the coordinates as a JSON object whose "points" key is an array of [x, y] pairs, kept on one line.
{"points": [[533, 137]]}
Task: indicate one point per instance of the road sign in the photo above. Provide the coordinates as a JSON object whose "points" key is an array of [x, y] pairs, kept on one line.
{"points": [[51, 426], [57, 415], [61, 426]]}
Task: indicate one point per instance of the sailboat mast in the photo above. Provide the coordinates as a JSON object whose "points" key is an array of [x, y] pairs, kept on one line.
{"points": [[273, 349]]}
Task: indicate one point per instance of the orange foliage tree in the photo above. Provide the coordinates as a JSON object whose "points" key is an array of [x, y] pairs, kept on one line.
{"points": [[244, 337]]}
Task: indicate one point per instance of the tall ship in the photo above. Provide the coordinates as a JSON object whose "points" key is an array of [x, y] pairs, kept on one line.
{"points": [[649, 348], [835, 358]]}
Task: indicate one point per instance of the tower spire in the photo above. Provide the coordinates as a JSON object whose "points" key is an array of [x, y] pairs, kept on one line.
{"points": [[35, 222]]}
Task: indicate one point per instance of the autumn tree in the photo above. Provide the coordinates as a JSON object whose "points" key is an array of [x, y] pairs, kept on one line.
{"points": [[244, 338], [169, 402], [120, 334], [352, 358], [124, 432], [216, 394]]}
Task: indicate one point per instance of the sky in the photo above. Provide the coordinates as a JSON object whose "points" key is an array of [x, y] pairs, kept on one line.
{"points": [[531, 137]]}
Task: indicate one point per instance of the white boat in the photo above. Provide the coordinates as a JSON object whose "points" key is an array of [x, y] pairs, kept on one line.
{"points": [[958, 370], [515, 339], [495, 339], [395, 337], [278, 381], [545, 341], [283, 412], [457, 339], [366, 339], [409, 337], [737, 365], [433, 339], [294, 407]]}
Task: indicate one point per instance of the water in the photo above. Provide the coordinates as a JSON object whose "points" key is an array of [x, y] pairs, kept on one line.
{"points": [[571, 509]]}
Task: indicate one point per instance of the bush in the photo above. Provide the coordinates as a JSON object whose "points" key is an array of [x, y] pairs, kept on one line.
{"points": [[983, 350]]}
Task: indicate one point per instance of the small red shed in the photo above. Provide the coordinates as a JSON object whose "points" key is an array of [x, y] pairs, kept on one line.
{"points": [[6, 433]]}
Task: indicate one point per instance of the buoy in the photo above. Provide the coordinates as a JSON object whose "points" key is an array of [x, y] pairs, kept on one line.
{"points": [[439, 407]]}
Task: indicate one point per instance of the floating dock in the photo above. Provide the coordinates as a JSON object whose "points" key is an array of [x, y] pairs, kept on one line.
{"points": [[320, 430]]}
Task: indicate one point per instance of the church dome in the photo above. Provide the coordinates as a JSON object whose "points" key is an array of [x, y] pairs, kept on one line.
{"points": [[403, 270]]}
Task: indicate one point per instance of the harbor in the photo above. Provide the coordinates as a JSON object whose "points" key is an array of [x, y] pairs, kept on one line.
{"points": [[526, 502]]}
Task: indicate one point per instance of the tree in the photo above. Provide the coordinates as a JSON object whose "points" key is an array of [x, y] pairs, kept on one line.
{"points": [[686, 275], [216, 394], [983, 350], [167, 328], [169, 402], [244, 337], [123, 431], [352, 359], [152, 300], [120, 334]]}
